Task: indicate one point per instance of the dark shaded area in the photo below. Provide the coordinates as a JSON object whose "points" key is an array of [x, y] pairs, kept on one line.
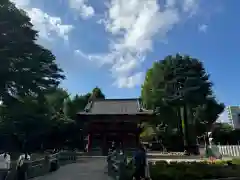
{"points": [[226, 137]]}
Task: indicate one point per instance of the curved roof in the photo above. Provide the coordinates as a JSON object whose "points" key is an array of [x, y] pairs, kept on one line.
{"points": [[115, 107]]}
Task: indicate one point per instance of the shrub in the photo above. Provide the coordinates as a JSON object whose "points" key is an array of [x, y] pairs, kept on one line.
{"points": [[193, 170], [236, 161]]}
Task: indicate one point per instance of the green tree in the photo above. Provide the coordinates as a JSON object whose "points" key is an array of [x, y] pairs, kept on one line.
{"points": [[222, 127], [26, 67], [27, 72], [56, 98], [76, 104], [207, 114], [174, 83], [96, 94]]}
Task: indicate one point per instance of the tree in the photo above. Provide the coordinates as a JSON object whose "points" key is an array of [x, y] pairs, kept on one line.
{"points": [[26, 67], [96, 94], [27, 72], [207, 114], [76, 104], [26, 119], [178, 83], [153, 93], [56, 98]]}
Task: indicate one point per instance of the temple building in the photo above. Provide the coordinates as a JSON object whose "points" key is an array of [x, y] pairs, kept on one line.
{"points": [[113, 120]]}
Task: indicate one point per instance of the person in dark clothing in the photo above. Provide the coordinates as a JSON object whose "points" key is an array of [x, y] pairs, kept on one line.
{"points": [[140, 162], [113, 147]]}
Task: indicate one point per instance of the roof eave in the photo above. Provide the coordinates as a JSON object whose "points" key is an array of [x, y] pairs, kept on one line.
{"points": [[131, 114]]}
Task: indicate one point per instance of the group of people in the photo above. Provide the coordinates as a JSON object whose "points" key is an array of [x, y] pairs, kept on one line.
{"points": [[139, 160]]}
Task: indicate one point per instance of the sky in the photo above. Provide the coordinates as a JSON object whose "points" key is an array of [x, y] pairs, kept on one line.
{"points": [[112, 43]]}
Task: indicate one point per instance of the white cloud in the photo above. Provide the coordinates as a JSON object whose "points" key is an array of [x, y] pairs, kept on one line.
{"points": [[48, 26], [190, 6], [134, 24], [203, 28], [129, 81], [84, 10], [21, 3]]}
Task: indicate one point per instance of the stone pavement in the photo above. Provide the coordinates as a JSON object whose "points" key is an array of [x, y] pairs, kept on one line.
{"points": [[86, 169]]}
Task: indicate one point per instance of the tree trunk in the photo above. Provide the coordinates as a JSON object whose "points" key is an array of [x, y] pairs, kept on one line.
{"points": [[185, 128], [180, 127]]}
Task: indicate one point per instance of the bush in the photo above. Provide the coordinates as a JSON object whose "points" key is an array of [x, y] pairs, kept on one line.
{"points": [[193, 170], [236, 161]]}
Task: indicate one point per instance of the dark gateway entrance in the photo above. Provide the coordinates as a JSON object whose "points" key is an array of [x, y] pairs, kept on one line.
{"points": [[112, 120]]}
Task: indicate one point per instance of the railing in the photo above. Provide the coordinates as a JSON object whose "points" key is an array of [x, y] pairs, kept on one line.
{"points": [[41, 166], [229, 150], [117, 164]]}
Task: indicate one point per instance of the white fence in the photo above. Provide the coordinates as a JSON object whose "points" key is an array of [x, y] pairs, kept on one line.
{"points": [[229, 150]]}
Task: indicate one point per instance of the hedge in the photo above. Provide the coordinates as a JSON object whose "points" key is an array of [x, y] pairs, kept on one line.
{"points": [[162, 170]]}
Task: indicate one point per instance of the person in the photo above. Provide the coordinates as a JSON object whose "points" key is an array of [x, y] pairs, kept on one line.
{"points": [[113, 147], [7, 159], [140, 162], [22, 166]]}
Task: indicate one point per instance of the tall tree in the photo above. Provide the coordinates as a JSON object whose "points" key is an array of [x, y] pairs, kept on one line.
{"points": [[27, 72], [178, 82], [26, 67]]}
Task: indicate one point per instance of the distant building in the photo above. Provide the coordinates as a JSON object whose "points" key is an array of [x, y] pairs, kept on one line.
{"points": [[234, 116]]}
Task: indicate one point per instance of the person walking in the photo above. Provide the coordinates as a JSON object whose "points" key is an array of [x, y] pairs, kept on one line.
{"points": [[140, 163]]}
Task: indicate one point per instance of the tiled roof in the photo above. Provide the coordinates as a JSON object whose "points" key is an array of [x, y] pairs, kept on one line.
{"points": [[115, 106]]}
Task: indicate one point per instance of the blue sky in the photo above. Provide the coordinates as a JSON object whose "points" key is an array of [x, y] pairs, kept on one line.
{"points": [[112, 43]]}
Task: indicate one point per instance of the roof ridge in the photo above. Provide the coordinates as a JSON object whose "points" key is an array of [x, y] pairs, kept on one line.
{"points": [[88, 106], [116, 99]]}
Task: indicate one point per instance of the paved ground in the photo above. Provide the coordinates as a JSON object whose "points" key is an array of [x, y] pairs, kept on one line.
{"points": [[87, 169]]}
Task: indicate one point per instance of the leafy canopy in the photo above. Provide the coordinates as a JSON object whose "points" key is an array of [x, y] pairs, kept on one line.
{"points": [[26, 67], [178, 80]]}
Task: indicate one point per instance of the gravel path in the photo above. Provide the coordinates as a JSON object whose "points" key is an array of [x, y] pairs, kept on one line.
{"points": [[87, 169]]}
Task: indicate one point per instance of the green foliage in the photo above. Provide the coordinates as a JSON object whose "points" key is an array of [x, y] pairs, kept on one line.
{"points": [[236, 161], [181, 82], [148, 133], [56, 98], [224, 135], [96, 94], [76, 104], [192, 170], [26, 67], [207, 114]]}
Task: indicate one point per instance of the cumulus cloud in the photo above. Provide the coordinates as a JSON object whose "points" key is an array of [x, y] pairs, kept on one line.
{"points": [[82, 8], [134, 24], [47, 25], [190, 6], [129, 81]]}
